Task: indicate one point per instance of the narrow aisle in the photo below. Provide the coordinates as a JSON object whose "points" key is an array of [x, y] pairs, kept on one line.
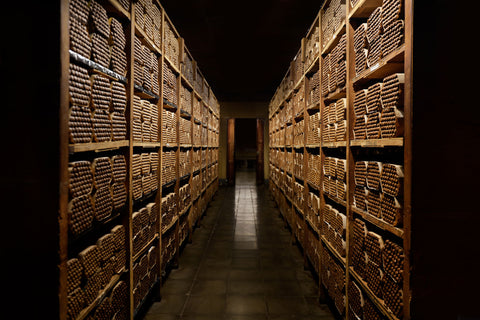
{"points": [[241, 265]]}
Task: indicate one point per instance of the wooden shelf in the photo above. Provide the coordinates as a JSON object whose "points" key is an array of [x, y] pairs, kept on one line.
{"points": [[379, 222], [336, 200], [151, 145], [377, 143], [185, 81], [312, 225], [97, 146], [336, 144], [313, 66], [392, 63]]}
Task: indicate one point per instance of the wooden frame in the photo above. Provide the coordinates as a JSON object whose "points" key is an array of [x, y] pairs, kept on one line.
{"points": [[69, 152], [399, 61]]}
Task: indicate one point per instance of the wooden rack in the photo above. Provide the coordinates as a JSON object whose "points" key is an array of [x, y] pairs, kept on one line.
{"points": [[144, 241], [346, 150]]}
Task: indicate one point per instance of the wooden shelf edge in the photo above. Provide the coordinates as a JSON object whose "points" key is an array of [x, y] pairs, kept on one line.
{"points": [[97, 146], [372, 143], [379, 222], [119, 8], [151, 145], [144, 249], [337, 144], [333, 251], [377, 71], [172, 65]]}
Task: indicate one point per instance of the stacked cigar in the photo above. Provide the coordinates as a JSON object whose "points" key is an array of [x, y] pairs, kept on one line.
{"points": [[185, 164], [312, 248], [393, 279], [169, 85], [168, 248], [380, 35], [334, 121], [196, 159], [197, 135], [204, 136], [299, 133], [380, 263], [117, 43], [187, 67], [334, 225], [332, 18], [333, 278], [196, 186], [102, 197], [378, 109], [298, 164], [356, 300], [289, 135], [145, 174], [100, 34], [80, 208], [80, 118], [185, 99], [169, 128], [145, 275], [184, 197], [185, 132], [148, 17], [169, 209], [378, 190], [80, 41], [313, 212], [183, 230], [144, 226], [97, 107], [334, 181], [314, 89], [298, 67], [203, 156], [314, 169], [334, 68], [312, 47], [313, 130], [171, 45], [92, 270], [119, 189], [197, 109], [289, 161], [168, 166], [199, 82]]}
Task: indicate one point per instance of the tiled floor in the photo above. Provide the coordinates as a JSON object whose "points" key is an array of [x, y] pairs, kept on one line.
{"points": [[241, 265]]}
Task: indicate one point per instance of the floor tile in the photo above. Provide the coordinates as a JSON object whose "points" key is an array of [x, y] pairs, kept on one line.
{"points": [[240, 265], [246, 304]]}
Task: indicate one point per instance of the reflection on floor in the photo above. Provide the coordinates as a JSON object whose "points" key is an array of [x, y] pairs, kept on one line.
{"points": [[241, 265]]}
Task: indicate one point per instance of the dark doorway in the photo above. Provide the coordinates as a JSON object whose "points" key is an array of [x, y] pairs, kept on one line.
{"points": [[245, 144]]}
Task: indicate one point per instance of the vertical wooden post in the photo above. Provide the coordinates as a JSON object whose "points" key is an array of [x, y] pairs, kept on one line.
{"points": [[260, 159], [231, 151]]}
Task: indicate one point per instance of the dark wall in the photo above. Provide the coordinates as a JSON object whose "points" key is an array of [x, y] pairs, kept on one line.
{"points": [[446, 132], [29, 182]]}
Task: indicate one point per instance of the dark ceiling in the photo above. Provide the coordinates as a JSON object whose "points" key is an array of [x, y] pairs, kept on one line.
{"points": [[243, 48]]}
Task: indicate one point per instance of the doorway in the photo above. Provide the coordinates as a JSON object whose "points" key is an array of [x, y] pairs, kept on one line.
{"points": [[245, 149]]}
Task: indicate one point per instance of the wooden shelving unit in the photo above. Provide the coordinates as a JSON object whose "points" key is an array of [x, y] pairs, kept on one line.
{"points": [[137, 157], [327, 175]]}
